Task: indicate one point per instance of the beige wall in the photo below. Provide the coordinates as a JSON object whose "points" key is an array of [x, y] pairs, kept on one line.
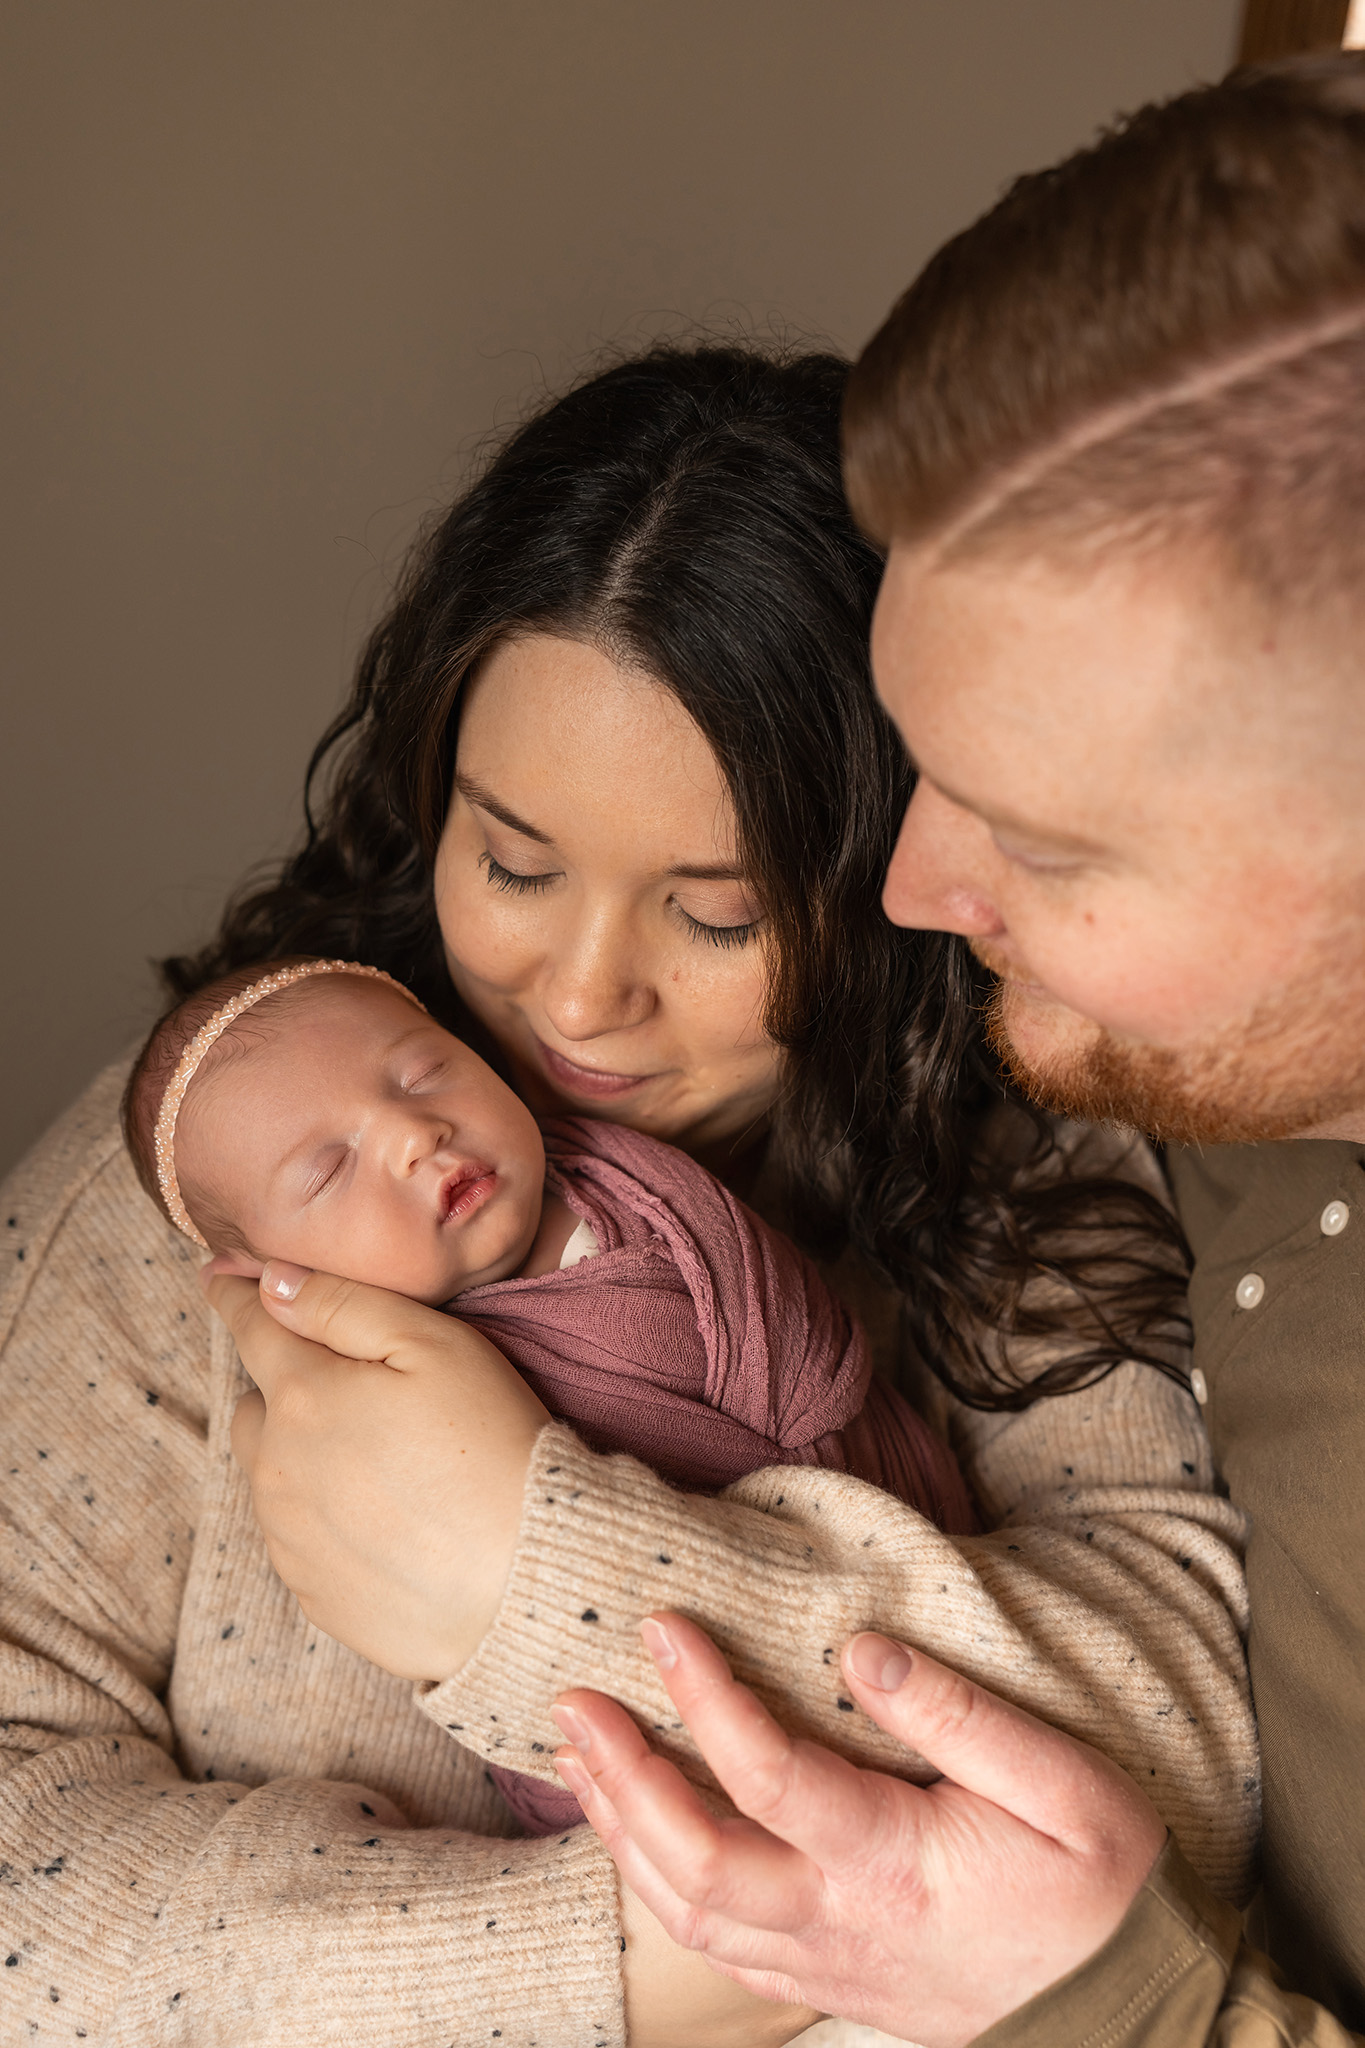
{"points": [[277, 266]]}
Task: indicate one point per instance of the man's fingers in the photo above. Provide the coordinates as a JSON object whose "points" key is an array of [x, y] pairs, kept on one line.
{"points": [[682, 1923], [1061, 1787], [734, 1867], [678, 1920], [700, 1914], [811, 1798]]}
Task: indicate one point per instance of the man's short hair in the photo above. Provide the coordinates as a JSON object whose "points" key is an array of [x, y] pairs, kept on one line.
{"points": [[1161, 340]]}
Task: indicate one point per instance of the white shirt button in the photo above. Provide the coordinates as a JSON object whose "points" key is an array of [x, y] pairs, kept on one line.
{"points": [[1199, 1386], [1250, 1291], [1334, 1219]]}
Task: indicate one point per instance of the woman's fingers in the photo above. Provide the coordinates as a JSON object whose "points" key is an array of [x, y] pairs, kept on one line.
{"points": [[356, 1322], [269, 1352], [240, 1263], [248, 1422], [1058, 1786], [336, 1315], [387, 1453]]}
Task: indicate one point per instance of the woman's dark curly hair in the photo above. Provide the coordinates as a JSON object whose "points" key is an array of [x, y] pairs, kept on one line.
{"points": [[684, 511]]}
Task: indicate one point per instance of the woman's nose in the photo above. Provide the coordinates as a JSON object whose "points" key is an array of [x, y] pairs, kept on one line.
{"points": [[597, 980], [938, 877]]}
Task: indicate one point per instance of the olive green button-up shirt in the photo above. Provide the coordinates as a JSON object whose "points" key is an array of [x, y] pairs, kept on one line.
{"points": [[1278, 1298]]}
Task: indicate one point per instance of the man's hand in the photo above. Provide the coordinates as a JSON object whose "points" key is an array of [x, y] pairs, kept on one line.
{"points": [[386, 1452], [931, 1911]]}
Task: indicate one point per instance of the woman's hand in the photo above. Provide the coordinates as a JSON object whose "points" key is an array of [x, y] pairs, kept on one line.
{"points": [[386, 1452], [930, 1912]]}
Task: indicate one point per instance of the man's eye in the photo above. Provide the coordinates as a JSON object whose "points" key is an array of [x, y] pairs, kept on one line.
{"points": [[1039, 863], [506, 879]]}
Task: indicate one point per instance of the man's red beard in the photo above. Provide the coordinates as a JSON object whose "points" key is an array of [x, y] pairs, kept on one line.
{"points": [[1291, 1068]]}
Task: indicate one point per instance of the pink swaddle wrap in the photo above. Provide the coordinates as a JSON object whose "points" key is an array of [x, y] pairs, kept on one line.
{"points": [[703, 1342]]}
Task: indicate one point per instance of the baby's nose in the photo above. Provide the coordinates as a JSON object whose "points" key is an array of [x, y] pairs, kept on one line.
{"points": [[418, 1142]]}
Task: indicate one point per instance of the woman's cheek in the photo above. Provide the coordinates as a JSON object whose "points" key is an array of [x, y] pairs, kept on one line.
{"points": [[484, 939], [724, 1001]]}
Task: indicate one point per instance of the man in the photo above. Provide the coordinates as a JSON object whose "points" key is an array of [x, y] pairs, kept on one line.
{"points": [[1114, 441]]}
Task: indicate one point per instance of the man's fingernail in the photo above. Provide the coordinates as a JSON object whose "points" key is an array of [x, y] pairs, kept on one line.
{"points": [[574, 1776], [574, 1726], [283, 1281], [659, 1644], [878, 1662]]}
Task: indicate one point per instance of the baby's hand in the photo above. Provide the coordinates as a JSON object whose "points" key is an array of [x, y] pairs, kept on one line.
{"points": [[386, 1451]]}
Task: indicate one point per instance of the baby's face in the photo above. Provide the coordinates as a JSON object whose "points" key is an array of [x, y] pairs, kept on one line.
{"points": [[352, 1134]]}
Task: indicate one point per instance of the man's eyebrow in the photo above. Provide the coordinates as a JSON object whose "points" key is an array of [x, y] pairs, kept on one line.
{"points": [[475, 793]]}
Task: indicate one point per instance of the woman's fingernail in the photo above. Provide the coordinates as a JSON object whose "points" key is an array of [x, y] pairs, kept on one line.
{"points": [[878, 1662], [574, 1726], [659, 1644], [283, 1281]]}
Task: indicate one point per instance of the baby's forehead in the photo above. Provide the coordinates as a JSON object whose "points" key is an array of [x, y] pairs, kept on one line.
{"points": [[332, 1016]]}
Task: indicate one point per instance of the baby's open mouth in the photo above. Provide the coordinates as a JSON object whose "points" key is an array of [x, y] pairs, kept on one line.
{"points": [[463, 1190]]}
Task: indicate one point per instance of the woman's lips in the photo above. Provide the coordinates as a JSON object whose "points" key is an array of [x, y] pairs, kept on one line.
{"points": [[465, 1190], [586, 1081]]}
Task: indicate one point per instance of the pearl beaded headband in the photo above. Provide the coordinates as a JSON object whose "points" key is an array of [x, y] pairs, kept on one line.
{"points": [[207, 1036]]}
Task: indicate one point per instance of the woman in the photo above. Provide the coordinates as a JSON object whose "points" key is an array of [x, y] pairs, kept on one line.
{"points": [[613, 790]]}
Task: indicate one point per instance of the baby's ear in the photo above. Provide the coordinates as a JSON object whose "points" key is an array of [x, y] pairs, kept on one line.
{"points": [[232, 1262]]}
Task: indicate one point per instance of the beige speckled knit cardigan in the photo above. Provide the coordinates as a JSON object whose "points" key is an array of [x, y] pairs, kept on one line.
{"points": [[217, 1826]]}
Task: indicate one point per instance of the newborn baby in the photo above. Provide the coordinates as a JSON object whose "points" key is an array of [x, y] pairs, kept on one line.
{"points": [[313, 1111]]}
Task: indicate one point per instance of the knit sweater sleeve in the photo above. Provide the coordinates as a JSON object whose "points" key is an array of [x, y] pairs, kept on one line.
{"points": [[1106, 1595], [144, 1906]]}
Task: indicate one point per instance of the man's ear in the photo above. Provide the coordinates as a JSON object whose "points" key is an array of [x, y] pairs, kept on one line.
{"points": [[233, 1262]]}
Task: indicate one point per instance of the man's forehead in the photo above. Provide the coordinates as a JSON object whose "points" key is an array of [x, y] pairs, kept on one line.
{"points": [[1097, 673]]}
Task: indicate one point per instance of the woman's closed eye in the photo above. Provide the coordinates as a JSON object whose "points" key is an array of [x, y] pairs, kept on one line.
{"points": [[510, 882], [726, 935]]}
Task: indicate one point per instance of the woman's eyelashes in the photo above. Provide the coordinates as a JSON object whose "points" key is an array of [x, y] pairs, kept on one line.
{"points": [[726, 935], [723, 935], [512, 883]]}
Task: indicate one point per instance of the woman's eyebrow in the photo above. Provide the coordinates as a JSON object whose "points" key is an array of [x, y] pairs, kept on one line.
{"points": [[706, 871], [475, 793]]}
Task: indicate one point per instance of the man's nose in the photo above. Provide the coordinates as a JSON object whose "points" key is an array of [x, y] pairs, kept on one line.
{"points": [[938, 879], [597, 979]]}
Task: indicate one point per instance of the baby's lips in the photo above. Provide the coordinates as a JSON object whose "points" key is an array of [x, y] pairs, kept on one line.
{"points": [[454, 1184]]}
